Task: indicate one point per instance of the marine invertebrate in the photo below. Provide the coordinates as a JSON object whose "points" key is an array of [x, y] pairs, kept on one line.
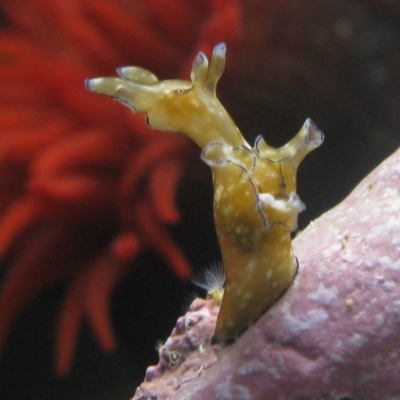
{"points": [[212, 279], [255, 200], [80, 193]]}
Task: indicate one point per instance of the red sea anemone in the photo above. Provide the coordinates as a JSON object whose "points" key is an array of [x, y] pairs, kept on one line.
{"points": [[85, 186]]}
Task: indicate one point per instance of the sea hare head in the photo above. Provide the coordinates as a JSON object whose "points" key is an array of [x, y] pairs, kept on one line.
{"points": [[190, 107]]}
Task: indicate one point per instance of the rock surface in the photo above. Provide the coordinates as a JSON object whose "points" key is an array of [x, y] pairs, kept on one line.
{"points": [[333, 335]]}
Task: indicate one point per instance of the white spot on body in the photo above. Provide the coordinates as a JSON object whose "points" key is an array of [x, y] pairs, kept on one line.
{"points": [[195, 103], [218, 193]]}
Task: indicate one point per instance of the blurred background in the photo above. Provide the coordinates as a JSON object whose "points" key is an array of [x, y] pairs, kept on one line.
{"points": [[101, 220]]}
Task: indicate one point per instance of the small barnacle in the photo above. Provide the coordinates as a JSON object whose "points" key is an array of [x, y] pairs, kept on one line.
{"points": [[202, 349], [212, 279], [255, 199], [174, 359], [189, 322]]}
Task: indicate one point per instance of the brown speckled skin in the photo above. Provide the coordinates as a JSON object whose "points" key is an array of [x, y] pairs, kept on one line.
{"points": [[335, 332]]}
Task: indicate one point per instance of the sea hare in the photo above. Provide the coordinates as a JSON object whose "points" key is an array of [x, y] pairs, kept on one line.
{"points": [[335, 333], [255, 199]]}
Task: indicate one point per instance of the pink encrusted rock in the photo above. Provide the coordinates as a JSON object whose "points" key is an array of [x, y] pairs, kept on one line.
{"points": [[335, 333], [185, 354]]}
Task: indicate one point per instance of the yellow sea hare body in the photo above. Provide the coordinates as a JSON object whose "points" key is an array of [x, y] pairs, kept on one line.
{"points": [[255, 199]]}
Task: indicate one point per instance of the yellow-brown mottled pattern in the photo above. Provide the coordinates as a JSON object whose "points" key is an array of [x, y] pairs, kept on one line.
{"points": [[255, 200]]}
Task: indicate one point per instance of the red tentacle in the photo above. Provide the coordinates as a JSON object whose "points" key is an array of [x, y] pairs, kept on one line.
{"points": [[68, 325], [158, 238], [163, 185]]}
